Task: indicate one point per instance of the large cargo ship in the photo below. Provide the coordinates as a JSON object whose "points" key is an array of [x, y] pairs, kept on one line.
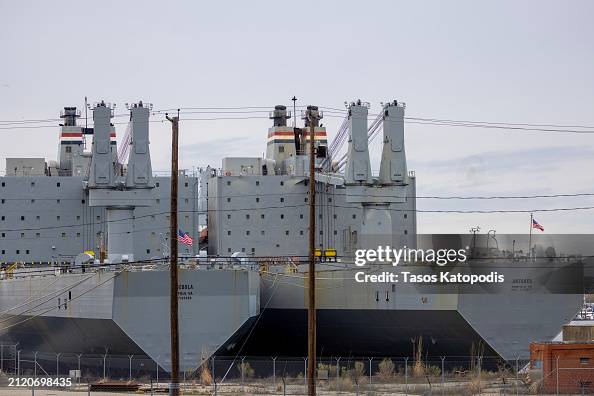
{"points": [[255, 212]]}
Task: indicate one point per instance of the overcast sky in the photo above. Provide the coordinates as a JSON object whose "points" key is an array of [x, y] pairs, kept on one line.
{"points": [[502, 61]]}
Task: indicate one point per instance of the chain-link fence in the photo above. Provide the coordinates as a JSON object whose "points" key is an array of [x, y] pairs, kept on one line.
{"points": [[42, 373]]}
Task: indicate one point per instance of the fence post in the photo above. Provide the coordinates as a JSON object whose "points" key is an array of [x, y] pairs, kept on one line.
{"points": [[104, 362], [57, 364], [370, 373], [443, 375], [274, 372], [517, 372], [18, 367], [338, 374], [35, 364], [1, 358], [557, 375], [242, 372], [130, 357], [78, 356], [305, 371], [406, 375], [157, 364]]}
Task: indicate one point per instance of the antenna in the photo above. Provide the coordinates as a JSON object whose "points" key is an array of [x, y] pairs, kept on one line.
{"points": [[294, 99]]}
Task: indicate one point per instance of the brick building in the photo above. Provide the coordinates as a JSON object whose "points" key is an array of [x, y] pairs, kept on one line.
{"points": [[567, 366]]}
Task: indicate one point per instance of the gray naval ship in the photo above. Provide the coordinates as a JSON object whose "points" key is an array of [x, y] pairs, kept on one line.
{"points": [[52, 300], [249, 293]]}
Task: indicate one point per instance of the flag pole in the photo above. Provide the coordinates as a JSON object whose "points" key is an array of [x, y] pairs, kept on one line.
{"points": [[530, 238]]}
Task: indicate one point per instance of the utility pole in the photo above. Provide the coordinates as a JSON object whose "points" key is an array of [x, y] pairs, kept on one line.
{"points": [[313, 117], [174, 386]]}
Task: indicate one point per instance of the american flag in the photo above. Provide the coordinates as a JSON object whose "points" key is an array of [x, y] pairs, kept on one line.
{"points": [[536, 225], [184, 238]]}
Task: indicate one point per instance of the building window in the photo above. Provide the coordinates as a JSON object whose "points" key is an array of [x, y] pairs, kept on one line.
{"points": [[247, 232], [334, 216], [3, 251], [77, 217], [98, 217], [78, 234], [301, 216], [32, 184], [3, 235], [158, 200], [287, 232], [186, 201], [63, 235], [37, 235], [157, 184], [27, 251], [148, 251], [257, 199], [282, 200], [228, 232], [3, 200], [405, 215], [354, 216], [282, 216], [281, 149], [282, 183], [228, 182], [22, 218], [262, 216], [186, 184], [247, 216], [3, 218], [58, 218], [405, 232], [18, 252], [228, 199], [37, 217], [22, 234], [32, 201], [58, 201], [321, 232], [228, 217], [305, 200], [584, 360], [253, 250], [58, 184], [301, 232], [262, 232], [257, 182], [83, 201], [68, 149], [329, 199], [243, 250], [3, 185]]}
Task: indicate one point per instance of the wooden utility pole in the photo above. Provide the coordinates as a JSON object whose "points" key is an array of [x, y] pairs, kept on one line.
{"points": [[313, 117], [174, 386]]}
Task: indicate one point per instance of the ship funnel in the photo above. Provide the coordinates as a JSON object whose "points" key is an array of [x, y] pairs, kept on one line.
{"points": [[279, 115], [393, 163], [358, 165]]}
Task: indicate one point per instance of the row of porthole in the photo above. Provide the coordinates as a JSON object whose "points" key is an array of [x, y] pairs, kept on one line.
{"points": [[58, 218], [282, 216]]}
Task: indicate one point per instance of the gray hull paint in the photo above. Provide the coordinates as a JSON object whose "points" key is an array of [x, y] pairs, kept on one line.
{"points": [[127, 312]]}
